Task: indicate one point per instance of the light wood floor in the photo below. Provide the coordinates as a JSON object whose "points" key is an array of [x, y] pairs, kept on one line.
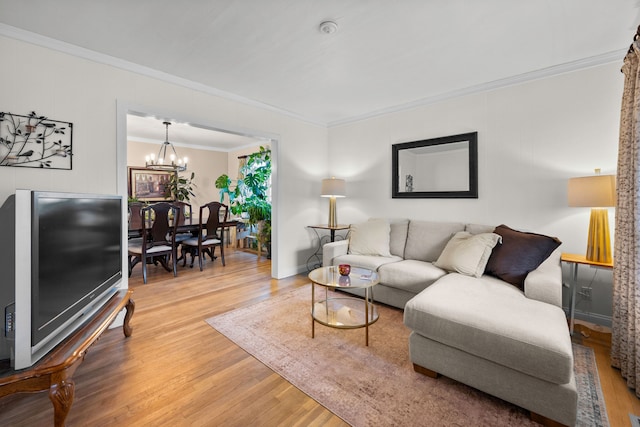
{"points": [[176, 370], [619, 399]]}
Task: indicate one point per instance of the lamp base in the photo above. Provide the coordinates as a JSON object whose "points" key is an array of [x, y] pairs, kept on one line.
{"points": [[333, 216], [599, 241]]}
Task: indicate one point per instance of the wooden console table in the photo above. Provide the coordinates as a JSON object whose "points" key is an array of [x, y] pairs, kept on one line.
{"points": [[54, 371]]}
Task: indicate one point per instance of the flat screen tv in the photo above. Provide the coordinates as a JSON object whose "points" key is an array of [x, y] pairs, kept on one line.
{"points": [[67, 262]]}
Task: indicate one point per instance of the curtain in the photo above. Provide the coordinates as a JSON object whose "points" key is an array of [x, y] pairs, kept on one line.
{"points": [[625, 340]]}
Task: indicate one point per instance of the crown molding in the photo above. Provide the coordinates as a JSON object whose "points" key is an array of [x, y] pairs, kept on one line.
{"points": [[594, 61], [80, 52]]}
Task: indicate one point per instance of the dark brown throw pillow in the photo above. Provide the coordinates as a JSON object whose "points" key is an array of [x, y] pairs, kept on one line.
{"points": [[518, 254]]}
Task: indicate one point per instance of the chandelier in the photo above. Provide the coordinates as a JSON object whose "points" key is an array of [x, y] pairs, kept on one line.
{"points": [[172, 164]]}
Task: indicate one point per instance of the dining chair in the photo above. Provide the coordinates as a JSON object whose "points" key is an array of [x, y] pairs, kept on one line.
{"points": [[135, 215], [185, 211], [210, 234], [158, 243]]}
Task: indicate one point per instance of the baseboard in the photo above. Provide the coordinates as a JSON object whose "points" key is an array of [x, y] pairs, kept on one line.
{"points": [[595, 318], [598, 319]]}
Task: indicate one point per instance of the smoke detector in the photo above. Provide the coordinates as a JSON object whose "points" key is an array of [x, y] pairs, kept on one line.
{"points": [[328, 27]]}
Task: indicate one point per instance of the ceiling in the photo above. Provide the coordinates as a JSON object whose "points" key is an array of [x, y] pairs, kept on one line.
{"points": [[385, 55], [151, 129]]}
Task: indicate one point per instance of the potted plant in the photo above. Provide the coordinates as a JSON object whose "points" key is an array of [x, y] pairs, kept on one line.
{"points": [[179, 188], [250, 194]]}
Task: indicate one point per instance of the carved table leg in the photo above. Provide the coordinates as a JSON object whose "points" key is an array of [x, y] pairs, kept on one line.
{"points": [[61, 395], [131, 306]]}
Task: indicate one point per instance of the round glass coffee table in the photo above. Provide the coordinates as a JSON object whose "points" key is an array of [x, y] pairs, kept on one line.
{"points": [[343, 312]]}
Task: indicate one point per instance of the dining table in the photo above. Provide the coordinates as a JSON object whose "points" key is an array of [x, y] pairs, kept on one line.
{"points": [[192, 225]]}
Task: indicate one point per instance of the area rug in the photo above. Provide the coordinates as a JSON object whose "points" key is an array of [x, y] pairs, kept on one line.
{"points": [[376, 385]]}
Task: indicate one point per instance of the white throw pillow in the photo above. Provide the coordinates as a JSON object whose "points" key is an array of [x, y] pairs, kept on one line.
{"points": [[467, 253], [370, 238]]}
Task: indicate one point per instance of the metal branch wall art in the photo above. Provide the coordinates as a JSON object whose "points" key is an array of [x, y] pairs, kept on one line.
{"points": [[34, 141]]}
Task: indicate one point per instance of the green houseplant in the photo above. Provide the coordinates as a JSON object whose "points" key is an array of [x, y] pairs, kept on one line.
{"points": [[250, 194], [179, 188]]}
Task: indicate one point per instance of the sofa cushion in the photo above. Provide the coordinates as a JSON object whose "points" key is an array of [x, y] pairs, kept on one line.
{"points": [[370, 238], [427, 239], [409, 275], [545, 282], [365, 261], [479, 228], [518, 254], [493, 320], [467, 254], [398, 236]]}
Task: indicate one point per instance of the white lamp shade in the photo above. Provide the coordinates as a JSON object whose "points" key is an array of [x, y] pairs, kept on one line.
{"points": [[598, 191], [333, 188]]}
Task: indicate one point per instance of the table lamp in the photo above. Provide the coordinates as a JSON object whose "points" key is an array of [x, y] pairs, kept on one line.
{"points": [[333, 188], [597, 192]]}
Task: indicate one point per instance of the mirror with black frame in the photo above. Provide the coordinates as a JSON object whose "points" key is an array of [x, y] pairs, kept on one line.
{"points": [[445, 167]]}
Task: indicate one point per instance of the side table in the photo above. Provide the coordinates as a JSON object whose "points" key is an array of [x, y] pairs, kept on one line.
{"points": [[315, 260], [575, 260]]}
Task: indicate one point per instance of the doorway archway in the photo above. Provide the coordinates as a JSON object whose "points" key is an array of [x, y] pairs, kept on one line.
{"points": [[124, 109]]}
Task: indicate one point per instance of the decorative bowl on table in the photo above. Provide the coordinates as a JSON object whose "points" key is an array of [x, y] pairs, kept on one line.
{"points": [[344, 269]]}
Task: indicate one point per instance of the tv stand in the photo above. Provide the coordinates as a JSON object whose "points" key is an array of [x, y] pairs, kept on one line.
{"points": [[54, 371]]}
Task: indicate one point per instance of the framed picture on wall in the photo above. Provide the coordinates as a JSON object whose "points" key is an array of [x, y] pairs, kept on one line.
{"points": [[147, 185], [35, 141]]}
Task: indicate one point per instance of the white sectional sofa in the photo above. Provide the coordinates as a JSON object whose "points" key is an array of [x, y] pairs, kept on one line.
{"points": [[502, 331]]}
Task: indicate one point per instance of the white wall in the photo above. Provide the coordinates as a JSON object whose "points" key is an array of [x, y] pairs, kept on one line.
{"points": [[531, 139], [64, 87]]}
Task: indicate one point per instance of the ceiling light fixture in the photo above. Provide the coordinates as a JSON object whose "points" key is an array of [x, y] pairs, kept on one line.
{"points": [[328, 27], [177, 164]]}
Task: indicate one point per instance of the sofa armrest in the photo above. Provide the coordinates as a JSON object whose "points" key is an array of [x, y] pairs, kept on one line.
{"points": [[545, 282], [332, 250]]}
